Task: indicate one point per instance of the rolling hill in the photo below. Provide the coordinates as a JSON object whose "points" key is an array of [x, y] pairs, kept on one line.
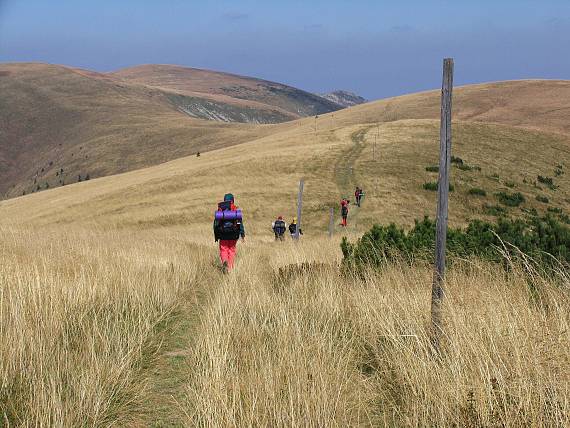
{"points": [[205, 89], [129, 321], [506, 134], [60, 123]]}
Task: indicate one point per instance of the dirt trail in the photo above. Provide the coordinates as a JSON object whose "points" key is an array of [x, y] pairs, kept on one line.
{"points": [[345, 169], [168, 372]]}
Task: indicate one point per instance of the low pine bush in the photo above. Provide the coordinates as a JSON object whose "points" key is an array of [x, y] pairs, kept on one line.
{"points": [[464, 167], [547, 181], [555, 210], [477, 192], [530, 211], [564, 218], [433, 185], [510, 184], [542, 199], [432, 168], [537, 237], [456, 160], [494, 210], [510, 199]]}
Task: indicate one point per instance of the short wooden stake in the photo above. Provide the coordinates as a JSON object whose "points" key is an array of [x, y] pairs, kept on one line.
{"points": [[299, 208]]}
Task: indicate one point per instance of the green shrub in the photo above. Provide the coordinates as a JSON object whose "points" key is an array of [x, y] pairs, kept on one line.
{"points": [[542, 199], [558, 172], [555, 210], [535, 236], [510, 199], [494, 210], [530, 211], [456, 160], [494, 177], [464, 167], [510, 184], [564, 218], [432, 168], [547, 181], [477, 192], [433, 185]]}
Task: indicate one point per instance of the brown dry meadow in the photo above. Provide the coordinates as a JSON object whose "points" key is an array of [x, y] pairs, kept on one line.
{"points": [[104, 328], [113, 311]]}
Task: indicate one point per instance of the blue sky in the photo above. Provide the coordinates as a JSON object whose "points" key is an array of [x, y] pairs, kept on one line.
{"points": [[375, 48]]}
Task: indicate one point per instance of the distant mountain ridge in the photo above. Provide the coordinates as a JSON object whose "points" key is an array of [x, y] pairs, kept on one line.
{"points": [[225, 97], [60, 125], [344, 98]]}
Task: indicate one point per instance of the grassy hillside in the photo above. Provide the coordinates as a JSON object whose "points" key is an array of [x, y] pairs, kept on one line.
{"points": [[55, 117], [264, 175], [93, 124], [229, 88], [129, 321]]}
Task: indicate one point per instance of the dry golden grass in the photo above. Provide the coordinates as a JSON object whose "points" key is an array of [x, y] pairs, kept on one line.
{"points": [[100, 324], [264, 174], [300, 349], [86, 318], [81, 315], [317, 349]]}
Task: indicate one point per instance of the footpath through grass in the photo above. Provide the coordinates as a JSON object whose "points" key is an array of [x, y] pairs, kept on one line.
{"points": [[167, 371]]}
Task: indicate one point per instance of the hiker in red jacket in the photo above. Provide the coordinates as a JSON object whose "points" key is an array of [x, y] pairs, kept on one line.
{"points": [[228, 227], [358, 194], [344, 211]]}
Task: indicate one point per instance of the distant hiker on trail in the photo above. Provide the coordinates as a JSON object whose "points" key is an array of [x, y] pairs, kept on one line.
{"points": [[279, 227], [358, 195], [228, 227], [344, 211], [293, 228]]}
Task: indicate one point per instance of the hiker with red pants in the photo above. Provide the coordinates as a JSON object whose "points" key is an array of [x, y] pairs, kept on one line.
{"points": [[344, 211], [228, 227], [358, 195]]}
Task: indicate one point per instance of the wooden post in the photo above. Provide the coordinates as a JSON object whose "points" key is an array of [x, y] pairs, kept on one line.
{"points": [[437, 292], [375, 141], [299, 207], [331, 222]]}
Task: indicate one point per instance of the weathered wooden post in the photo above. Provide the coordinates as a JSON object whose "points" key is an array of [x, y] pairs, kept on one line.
{"points": [[375, 140], [331, 222], [299, 207], [437, 292]]}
